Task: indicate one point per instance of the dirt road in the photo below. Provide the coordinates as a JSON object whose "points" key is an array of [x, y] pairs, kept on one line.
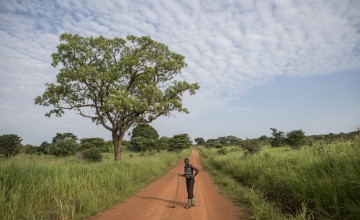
{"points": [[156, 201]]}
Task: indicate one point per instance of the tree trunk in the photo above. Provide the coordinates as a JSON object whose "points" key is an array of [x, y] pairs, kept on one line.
{"points": [[117, 140]]}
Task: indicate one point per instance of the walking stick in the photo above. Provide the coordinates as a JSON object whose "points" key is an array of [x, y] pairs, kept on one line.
{"points": [[177, 187]]}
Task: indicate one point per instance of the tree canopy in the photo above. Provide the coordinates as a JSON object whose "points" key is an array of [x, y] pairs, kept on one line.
{"points": [[296, 138], [64, 136], [278, 138], [116, 82], [10, 144], [199, 141], [145, 131], [179, 142], [99, 143], [144, 137]]}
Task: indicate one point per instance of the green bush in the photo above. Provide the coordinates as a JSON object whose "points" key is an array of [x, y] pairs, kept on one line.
{"points": [[144, 138], [251, 146], [199, 141], [29, 149], [278, 138], [44, 148], [92, 155], [163, 143], [214, 145], [179, 142], [222, 151], [10, 144], [100, 143], [296, 139], [64, 148], [140, 144]]}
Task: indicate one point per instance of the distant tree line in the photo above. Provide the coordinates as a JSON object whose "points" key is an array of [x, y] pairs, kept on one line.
{"points": [[63, 144], [144, 138], [295, 139]]}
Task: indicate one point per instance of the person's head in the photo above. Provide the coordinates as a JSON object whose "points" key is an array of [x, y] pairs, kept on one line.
{"points": [[186, 160]]}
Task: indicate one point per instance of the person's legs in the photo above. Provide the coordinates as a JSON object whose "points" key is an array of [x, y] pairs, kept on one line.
{"points": [[190, 188], [192, 192]]}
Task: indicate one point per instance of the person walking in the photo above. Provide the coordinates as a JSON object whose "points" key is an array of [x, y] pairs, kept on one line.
{"points": [[190, 181]]}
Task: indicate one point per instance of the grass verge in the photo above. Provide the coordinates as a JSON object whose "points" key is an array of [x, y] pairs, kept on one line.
{"points": [[318, 182], [45, 187]]}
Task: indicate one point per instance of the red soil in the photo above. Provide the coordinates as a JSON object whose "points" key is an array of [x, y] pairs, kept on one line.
{"points": [[156, 201]]}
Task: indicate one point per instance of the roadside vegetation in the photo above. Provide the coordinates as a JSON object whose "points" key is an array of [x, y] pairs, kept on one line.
{"points": [[319, 179], [74, 179], [49, 187], [286, 176]]}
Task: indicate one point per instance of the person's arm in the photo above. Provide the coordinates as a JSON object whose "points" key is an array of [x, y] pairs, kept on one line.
{"points": [[180, 174], [196, 171]]}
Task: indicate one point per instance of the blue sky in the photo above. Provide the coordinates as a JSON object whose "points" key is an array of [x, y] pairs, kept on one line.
{"points": [[260, 64]]}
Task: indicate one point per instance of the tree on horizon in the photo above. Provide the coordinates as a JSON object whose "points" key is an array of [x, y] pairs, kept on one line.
{"points": [[116, 82]]}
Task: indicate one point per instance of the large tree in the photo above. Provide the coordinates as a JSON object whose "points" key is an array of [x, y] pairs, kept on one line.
{"points": [[116, 82]]}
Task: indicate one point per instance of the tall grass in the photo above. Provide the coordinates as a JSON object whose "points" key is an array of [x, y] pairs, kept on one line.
{"points": [[318, 182], [44, 187]]}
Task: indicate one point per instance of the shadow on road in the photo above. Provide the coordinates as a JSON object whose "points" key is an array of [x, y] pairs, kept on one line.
{"points": [[165, 202]]}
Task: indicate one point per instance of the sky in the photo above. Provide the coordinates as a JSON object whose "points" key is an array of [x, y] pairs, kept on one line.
{"points": [[284, 64]]}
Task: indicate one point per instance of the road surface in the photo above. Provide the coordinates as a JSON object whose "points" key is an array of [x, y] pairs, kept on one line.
{"points": [[156, 201]]}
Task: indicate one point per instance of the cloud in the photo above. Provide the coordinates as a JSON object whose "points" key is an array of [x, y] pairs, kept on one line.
{"points": [[231, 46]]}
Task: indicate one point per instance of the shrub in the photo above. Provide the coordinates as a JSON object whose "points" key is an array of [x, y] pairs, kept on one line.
{"points": [[44, 148], [29, 149], [163, 143], [64, 148], [144, 137], [179, 142], [100, 143], [199, 141], [214, 145], [296, 139], [251, 146], [10, 144], [222, 151], [92, 154], [141, 144], [278, 138]]}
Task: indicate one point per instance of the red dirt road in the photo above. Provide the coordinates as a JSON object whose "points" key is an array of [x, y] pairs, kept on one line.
{"points": [[156, 201]]}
